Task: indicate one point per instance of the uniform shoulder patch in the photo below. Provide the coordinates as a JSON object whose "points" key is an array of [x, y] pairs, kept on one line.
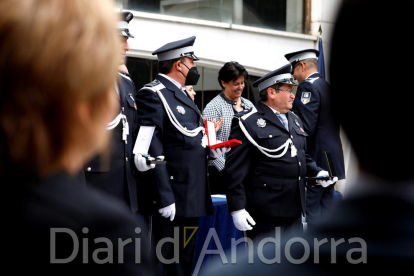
{"points": [[153, 83], [305, 97]]}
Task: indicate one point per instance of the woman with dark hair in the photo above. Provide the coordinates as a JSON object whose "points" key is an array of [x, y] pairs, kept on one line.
{"points": [[231, 78]]}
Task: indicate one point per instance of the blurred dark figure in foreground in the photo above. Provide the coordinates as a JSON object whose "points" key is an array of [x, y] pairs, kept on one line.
{"points": [[58, 66], [372, 230], [113, 171]]}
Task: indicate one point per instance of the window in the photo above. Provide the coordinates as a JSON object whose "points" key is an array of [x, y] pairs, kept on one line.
{"points": [[280, 15]]}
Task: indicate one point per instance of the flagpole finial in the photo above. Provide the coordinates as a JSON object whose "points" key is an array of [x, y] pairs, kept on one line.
{"points": [[320, 31]]}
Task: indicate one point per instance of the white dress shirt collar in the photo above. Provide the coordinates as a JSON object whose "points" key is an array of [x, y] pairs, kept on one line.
{"points": [[176, 83]]}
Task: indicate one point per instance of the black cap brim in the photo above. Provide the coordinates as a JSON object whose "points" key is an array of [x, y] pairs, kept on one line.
{"points": [[190, 55], [125, 32]]}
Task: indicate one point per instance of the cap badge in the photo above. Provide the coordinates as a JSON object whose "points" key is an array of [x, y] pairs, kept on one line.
{"points": [[306, 96], [261, 122], [180, 109]]}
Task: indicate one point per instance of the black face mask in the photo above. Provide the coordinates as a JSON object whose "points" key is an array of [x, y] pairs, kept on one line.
{"points": [[192, 76]]}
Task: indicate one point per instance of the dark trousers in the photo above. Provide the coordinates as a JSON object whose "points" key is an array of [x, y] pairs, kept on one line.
{"points": [[216, 181], [319, 202], [177, 244], [266, 227]]}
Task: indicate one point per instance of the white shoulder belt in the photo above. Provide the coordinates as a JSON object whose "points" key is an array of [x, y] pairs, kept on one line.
{"points": [[282, 148], [173, 119], [125, 126], [121, 117]]}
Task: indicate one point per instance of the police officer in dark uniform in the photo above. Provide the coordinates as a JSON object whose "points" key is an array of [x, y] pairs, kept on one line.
{"points": [[312, 104], [114, 172], [177, 192], [266, 173]]}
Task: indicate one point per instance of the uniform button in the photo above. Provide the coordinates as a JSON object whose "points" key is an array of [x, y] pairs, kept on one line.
{"points": [[126, 158], [291, 136], [299, 177], [300, 164], [155, 202], [89, 169], [207, 174], [270, 136], [171, 177], [264, 184]]}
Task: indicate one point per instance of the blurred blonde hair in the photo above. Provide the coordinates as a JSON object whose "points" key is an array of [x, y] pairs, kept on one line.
{"points": [[55, 56]]}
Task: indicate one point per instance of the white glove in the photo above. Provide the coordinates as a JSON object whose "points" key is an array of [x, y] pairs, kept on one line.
{"points": [[325, 183], [217, 152], [168, 211], [241, 220], [141, 163]]}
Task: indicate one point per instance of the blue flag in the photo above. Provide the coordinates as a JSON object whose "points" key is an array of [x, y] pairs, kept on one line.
{"points": [[321, 59]]}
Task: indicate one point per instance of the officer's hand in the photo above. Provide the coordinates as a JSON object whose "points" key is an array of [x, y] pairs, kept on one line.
{"points": [[325, 183], [141, 163], [241, 220], [168, 211], [217, 152]]}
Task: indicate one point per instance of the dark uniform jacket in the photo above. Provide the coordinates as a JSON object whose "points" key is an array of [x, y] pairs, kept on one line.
{"points": [[312, 104], [265, 186], [183, 179], [115, 172]]}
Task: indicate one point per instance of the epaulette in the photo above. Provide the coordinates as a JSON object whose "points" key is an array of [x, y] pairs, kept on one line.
{"points": [[294, 113], [154, 86], [153, 83], [125, 75], [311, 80], [246, 113]]}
